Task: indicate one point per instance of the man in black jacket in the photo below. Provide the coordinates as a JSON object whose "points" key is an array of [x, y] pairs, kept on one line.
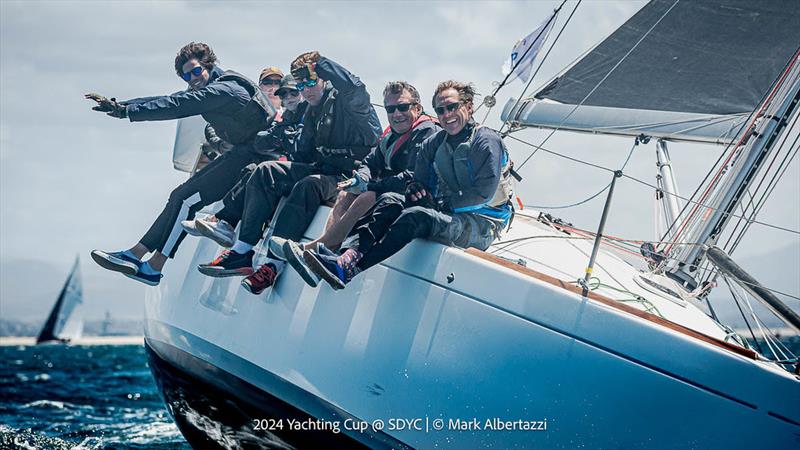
{"points": [[460, 195], [340, 127], [388, 168], [236, 109]]}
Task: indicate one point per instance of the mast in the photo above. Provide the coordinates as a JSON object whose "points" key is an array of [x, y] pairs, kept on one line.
{"points": [[56, 320], [704, 224]]}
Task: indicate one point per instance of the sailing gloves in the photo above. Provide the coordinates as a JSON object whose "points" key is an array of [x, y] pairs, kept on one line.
{"points": [[305, 71], [108, 106], [355, 185], [417, 195]]}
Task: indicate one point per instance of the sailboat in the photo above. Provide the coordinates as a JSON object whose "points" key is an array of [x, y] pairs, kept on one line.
{"points": [[65, 324], [559, 342]]}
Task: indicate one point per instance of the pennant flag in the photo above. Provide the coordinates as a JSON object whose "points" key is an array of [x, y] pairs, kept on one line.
{"points": [[524, 53]]}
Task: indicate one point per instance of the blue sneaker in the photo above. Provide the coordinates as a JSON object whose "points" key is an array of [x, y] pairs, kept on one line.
{"points": [[121, 262], [327, 268], [294, 256], [146, 278]]}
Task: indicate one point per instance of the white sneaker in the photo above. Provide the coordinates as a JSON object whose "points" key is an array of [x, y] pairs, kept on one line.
{"points": [[276, 247], [190, 228], [220, 231]]}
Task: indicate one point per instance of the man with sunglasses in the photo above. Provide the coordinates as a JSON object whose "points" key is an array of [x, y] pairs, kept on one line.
{"points": [[340, 127], [237, 110], [269, 81], [461, 195], [386, 169], [277, 143]]}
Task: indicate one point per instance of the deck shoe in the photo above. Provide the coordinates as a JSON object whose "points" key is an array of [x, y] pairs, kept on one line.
{"points": [[294, 256], [229, 264], [219, 231], [326, 267], [151, 278], [123, 262], [276, 247], [348, 261], [261, 279]]}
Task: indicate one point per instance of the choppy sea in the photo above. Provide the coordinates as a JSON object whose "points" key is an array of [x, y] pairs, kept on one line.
{"points": [[92, 397], [86, 397]]}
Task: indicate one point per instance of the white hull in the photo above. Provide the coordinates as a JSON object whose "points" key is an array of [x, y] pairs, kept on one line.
{"points": [[401, 342]]}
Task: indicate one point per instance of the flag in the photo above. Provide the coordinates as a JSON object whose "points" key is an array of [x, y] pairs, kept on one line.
{"points": [[525, 51]]}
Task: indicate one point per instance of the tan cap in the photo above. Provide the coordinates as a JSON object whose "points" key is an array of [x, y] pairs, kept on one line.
{"points": [[270, 71]]}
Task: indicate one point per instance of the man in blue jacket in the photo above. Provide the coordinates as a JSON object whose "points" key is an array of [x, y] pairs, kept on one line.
{"points": [[237, 110], [461, 195], [340, 127]]}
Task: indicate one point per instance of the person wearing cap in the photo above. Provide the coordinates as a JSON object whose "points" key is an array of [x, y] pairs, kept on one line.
{"points": [[237, 110], [386, 169], [276, 143], [268, 82], [340, 127]]}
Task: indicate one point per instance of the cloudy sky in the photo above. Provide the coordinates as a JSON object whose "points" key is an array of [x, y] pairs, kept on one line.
{"points": [[72, 180]]}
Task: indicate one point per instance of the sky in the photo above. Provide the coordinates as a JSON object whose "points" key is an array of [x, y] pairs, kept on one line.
{"points": [[72, 180]]}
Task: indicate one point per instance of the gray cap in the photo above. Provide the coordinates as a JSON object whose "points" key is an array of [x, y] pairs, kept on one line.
{"points": [[287, 83]]}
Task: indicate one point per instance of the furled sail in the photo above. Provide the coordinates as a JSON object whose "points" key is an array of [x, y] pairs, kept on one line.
{"points": [[63, 324], [685, 70]]}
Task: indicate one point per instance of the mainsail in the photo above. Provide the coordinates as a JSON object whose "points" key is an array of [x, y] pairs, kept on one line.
{"points": [[677, 70], [62, 324]]}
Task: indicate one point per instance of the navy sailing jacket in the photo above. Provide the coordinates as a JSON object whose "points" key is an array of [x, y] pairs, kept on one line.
{"points": [[394, 176], [355, 122], [218, 102]]}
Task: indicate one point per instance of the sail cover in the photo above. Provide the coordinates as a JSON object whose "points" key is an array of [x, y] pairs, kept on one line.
{"points": [[699, 61]]}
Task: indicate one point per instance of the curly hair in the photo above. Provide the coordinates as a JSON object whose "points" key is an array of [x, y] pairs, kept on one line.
{"points": [[466, 91], [397, 87], [195, 50]]}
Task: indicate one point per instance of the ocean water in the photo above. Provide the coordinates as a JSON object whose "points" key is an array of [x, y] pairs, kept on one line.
{"points": [[87, 397]]}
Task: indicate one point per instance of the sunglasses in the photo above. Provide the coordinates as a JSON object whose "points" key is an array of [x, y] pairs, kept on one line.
{"points": [[187, 76], [440, 110], [402, 107], [306, 83], [291, 93], [270, 82]]}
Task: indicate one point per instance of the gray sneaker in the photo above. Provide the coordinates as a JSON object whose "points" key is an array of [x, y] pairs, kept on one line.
{"points": [[276, 247], [220, 231], [294, 256], [190, 227]]}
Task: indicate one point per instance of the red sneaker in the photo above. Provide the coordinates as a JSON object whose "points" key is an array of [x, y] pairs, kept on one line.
{"points": [[261, 279]]}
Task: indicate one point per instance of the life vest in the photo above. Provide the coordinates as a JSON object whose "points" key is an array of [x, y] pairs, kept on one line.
{"points": [[389, 151], [257, 115], [323, 125], [454, 171]]}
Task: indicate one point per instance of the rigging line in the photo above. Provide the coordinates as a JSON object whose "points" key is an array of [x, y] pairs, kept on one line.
{"points": [[596, 166], [741, 311], [624, 57], [744, 136], [764, 334], [630, 153], [764, 176], [779, 172], [541, 62], [717, 167]]}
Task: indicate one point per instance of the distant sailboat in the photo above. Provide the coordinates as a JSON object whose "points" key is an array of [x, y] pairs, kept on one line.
{"points": [[62, 324]]}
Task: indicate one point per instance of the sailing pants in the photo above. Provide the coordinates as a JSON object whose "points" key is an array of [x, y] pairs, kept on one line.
{"points": [[204, 188], [233, 201], [305, 191], [391, 227]]}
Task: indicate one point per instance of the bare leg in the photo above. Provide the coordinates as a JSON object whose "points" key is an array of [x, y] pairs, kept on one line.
{"points": [[335, 233], [343, 202], [139, 250], [157, 261]]}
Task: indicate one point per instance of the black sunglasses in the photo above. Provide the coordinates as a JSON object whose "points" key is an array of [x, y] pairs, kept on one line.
{"points": [[196, 71], [270, 82], [449, 108], [402, 107], [289, 93]]}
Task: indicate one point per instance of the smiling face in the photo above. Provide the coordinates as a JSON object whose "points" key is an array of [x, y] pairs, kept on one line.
{"points": [[401, 121], [452, 121], [268, 86], [196, 81], [290, 99]]}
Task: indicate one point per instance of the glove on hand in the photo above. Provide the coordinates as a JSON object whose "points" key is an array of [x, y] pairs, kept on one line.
{"points": [[108, 106], [417, 195], [355, 185]]}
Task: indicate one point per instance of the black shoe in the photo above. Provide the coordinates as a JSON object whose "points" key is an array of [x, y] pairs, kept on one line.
{"points": [[294, 256], [117, 261], [229, 264], [326, 268]]}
